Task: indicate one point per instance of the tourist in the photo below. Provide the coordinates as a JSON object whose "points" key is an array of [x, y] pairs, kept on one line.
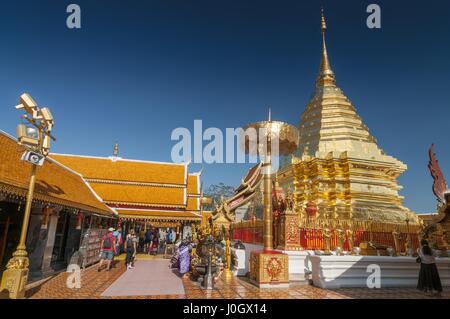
{"points": [[108, 249], [118, 235], [155, 243], [184, 259], [429, 280], [130, 247], [147, 240], [169, 237], [162, 241]]}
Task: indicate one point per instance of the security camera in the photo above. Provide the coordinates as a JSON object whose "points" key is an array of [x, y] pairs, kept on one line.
{"points": [[27, 135], [27, 103], [46, 114]]}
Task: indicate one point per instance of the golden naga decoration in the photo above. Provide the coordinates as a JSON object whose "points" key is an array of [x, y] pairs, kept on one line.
{"points": [[224, 212], [439, 183]]}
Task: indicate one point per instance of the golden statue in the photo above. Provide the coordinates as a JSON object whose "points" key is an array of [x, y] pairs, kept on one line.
{"points": [[397, 241], [327, 240], [351, 244], [341, 239], [408, 245]]}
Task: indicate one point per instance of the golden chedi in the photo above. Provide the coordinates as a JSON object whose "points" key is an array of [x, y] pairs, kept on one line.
{"points": [[339, 166]]}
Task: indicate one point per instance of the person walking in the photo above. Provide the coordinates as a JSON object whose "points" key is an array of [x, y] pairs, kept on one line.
{"points": [[155, 243], [130, 247], [184, 259], [168, 239], [118, 235], [147, 240], [108, 249], [429, 280]]}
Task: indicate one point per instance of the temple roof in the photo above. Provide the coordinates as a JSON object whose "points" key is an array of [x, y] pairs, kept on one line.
{"points": [[140, 194], [55, 183], [125, 170], [158, 215], [193, 184], [130, 184]]}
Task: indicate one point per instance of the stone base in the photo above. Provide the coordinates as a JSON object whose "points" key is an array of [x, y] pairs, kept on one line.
{"points": [[13, 283], [333, 272], [270, 286], [269, 269], [299, 264]]}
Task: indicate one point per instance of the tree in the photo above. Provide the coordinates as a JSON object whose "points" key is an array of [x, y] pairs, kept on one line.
{"points": [[215, 191]]}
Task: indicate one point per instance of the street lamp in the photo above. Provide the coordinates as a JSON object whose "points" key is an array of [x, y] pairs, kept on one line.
{"points": [[269, 268], [36, 138]]}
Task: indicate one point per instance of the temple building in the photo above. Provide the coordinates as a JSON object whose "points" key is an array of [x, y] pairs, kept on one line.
{"points": [[64, 208], [155, 193], [339, 166]]}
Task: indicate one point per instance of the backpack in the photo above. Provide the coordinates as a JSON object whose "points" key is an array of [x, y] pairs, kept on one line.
{"points": [[130, 242], [107, 243]]}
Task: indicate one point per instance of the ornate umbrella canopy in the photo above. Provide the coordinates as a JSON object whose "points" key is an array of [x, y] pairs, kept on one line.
{"points": [[282, 135]]}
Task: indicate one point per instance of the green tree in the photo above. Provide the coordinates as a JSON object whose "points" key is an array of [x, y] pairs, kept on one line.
{"points": [[215, 191]]}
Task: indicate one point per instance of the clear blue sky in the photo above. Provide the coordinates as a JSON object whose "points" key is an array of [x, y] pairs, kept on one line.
{"points": [[138, 69]]}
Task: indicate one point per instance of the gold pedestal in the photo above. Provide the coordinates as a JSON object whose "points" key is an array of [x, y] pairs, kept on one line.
{"points": [[15, 277], [228, 274], [289, 232], [269, 269]]}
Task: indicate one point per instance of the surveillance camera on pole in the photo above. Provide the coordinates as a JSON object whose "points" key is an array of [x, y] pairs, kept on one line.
{"points": [[47, 117], [28, 104], [27, 135]]}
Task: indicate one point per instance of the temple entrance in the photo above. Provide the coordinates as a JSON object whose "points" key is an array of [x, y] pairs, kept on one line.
{"points": [[10, 224], [59, 249]]}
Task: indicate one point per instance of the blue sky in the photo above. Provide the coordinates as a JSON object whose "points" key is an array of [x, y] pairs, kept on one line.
{"points": [[136, 70]]}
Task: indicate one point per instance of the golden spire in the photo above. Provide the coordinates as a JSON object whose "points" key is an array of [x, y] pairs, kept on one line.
{"points": [[326, 75]]}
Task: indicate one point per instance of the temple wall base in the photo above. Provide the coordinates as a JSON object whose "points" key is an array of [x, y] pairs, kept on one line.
{"points": [[333, 272], [299, 263]]}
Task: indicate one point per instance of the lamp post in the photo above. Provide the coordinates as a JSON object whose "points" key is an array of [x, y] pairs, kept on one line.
{"points": [[269, 268], [37, 142]]}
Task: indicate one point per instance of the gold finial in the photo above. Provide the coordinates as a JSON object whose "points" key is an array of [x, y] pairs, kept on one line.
{"points": [[324, 23], [116, 150], [326, 75]]}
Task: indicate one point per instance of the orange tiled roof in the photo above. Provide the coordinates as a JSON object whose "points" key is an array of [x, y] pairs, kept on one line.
{"points": [[138, 194], [158, 215], [125, 170], [193, 203], [193, 184], [54, 183]]}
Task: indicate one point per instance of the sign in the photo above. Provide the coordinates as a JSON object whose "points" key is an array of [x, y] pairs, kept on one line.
{"points": [[33, 158]]}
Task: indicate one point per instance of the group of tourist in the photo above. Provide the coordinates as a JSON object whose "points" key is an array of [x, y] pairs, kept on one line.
{"points": [[153, 240], [429, 280], [112, 244]]}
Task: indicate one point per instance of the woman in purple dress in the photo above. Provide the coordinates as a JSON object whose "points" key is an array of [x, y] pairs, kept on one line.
{"points": [[184, 259]]}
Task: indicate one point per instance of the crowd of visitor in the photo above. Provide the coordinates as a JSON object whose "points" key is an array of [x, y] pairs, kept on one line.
{"points": [[153, 241]]}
